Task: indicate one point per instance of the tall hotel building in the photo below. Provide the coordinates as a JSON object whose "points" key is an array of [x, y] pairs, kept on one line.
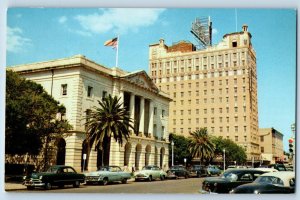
{"points": [[215, 87]]}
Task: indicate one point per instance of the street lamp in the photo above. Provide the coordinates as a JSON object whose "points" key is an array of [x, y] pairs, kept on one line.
{"points": [[224, 159], [172, 144]]}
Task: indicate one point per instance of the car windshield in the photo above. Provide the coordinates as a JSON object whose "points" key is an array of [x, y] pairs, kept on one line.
{"points": [[52, 169], [269, 180], [230, 175], [147, 168], [103, 169]]}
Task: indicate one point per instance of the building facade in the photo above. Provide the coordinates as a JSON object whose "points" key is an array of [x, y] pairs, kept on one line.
{"points": [[271, 145], [79, 83], [215, 87]]}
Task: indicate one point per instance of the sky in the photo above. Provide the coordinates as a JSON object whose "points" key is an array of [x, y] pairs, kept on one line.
{"points": [[42, 34]]}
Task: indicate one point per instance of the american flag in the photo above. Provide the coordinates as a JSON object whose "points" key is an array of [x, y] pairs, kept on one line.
{"points": [[112, 42]]}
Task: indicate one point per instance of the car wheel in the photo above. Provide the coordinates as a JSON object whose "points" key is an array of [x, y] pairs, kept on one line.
{"points": [[162, 177], [105, 181], [48, 186], [150, 178], [30, 187], [76, 184], [124, 181]]}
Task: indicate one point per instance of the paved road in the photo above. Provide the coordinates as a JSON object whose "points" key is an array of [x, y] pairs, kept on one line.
{"points": [[184, 186]]}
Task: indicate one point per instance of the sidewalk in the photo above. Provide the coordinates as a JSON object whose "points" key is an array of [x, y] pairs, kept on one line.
{"points": [[13, 186]]}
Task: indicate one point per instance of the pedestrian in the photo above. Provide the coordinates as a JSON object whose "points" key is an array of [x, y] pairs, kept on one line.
{"points": [[133, 169]]}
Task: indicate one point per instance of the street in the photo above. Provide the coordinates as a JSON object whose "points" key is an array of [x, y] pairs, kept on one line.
{"points": [[187, 186]]}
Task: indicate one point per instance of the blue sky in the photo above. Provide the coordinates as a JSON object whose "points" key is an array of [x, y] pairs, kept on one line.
{"points": [[43, 34]]}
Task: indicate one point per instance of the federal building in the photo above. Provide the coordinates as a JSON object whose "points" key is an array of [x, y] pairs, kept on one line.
{"points": [[79, 83], [214, 86]]}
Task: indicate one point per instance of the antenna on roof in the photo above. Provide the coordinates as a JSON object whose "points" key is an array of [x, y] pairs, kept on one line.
{"points": [[202, 30]]}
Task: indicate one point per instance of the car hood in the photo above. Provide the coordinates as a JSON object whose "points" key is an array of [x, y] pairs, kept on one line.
{"points": [[38, 174], [96, 173]]}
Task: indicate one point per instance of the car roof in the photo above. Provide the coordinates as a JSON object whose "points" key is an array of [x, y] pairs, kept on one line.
{"points": [[285, 176], [266, 169]]}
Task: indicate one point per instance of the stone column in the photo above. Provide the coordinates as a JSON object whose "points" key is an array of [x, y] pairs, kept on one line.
{"points": [[131, 109], [92, 165], [73, 152], [151, 110], [121, 96], [142, 115], [142, 159], [114, 154]]}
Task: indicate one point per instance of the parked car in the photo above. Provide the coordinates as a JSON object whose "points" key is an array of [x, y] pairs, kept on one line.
{"points": [[107, 174], [213, 170], [229, 180], [57, 175], [177, 171], [279, 167], [197, 171], [269, 183], [267, 169], [150, 172]]}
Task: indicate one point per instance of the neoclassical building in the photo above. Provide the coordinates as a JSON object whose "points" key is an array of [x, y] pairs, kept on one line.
{"points": [[78, 83]]}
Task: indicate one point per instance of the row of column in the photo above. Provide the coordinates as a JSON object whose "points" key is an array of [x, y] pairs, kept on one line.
{"points": [[142, 113]]}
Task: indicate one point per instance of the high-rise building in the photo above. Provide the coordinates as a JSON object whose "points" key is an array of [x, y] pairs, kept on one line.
{"points": [[214, 87]]}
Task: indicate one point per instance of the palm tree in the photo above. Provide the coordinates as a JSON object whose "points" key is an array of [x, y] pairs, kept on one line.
{"points": [[201, 146], [109, 120]]}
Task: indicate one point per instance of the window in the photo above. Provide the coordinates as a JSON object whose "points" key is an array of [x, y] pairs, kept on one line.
{"points": [[220, 110], [234, 44], [90, 90], [174, 112], [262, 149], [174, 121], [205, 111], [236, 129], [182, 94], [181, 102], [181, 112], [189, 120], [227, 119], [262, 138], [221, 129], [205, 120], [104, 93], [181, 121], [220, 119], [64, 88], [197, 120], [236, 138], [162, 113], [212, 110], [197, 111], [154, 110], [189, 111], [174, 94]]}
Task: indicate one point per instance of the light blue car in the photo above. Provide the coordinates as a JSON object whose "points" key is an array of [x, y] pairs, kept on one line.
{"points": [[107, 174], [213, 170]]}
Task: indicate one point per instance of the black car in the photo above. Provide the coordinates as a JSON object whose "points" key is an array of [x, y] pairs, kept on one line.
{"points": [[198, 171], [177, 171], [269, 183], [229, 180], [57, 175]]}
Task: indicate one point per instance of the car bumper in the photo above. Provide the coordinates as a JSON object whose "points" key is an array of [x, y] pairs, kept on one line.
{"points": [[206, 192], [141, 177], [34, 183], [92, 179]]}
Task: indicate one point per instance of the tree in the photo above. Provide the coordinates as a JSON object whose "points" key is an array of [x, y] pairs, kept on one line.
{"points": [[181, 150], [109, 120], [201, 145], [233, 151], [31, 122]]}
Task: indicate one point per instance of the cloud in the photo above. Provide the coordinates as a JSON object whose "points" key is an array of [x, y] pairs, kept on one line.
{"points": [[118, 20], [15, 40], [62, 19], [214, 31]]}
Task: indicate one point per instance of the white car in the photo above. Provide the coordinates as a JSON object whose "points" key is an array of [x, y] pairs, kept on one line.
{"points": [[150, 172]]}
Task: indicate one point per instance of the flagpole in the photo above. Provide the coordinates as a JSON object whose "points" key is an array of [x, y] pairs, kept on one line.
{"points": [[117, 53]]}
